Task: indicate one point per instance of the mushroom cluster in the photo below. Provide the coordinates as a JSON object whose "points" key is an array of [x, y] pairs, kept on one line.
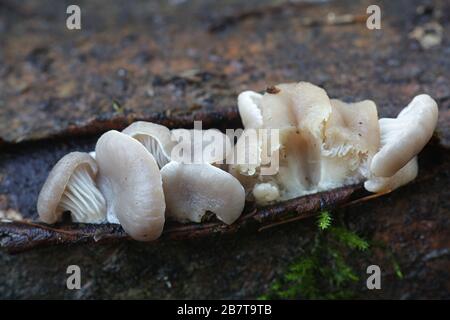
{"points": [[326, 143], [296, 141], [140, 176]]}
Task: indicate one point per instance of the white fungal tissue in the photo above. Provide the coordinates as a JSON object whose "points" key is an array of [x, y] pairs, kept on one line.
{"points": [[296, 141], [327, 143], [70, 186]]}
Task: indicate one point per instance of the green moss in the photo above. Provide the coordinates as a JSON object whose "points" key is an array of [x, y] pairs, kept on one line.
{"points": [[324, 220], [349, 238], [323, 272]]}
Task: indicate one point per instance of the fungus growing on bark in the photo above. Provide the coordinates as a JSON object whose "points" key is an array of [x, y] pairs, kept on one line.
{"points": [[70, 187], [181, 145], [155, 138], [193, 189], [400, 178], [402, 138], [325, 143], [248, 105], [131, 182], [322, 143]]}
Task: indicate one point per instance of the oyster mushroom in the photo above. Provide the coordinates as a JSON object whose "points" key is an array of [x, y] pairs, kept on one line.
{"points": [[182, 145], [351, 139], [70, 187], [400, 178], [193, 189], [131, 183], [155, 138], [197, 146], [404, 137], [301, 105], [249, 110], [322, 143]]}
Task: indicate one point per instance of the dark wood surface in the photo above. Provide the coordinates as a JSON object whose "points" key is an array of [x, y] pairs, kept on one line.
{"points": [[173, 62]]}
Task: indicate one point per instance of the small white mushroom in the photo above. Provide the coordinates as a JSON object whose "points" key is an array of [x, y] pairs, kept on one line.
{"points": [[323, 143], [266, 192], [351, 138], [301, 105], [249, 109], [155, 138], [193, 189], [182, 145], [400, 178], [70, 187], [404, 137], [197, 146], [131, 183]]}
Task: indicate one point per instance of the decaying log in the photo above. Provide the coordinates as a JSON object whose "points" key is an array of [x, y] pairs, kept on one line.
{"points": [[16, 236]]}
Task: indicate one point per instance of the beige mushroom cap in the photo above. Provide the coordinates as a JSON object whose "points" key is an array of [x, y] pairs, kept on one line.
{"points": [[404, 137], [352, 125], [301, 105], [131, 182], [249, 109], [212, 147], [323, 143], [193, 189], [400, 178], [60, 186], [155, 138], [196, 146]]}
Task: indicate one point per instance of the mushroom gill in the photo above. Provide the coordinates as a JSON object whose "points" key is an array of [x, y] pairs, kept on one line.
{"points": [[70, 187]]}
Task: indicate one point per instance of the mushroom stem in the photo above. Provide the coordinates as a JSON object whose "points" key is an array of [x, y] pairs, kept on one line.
{"points": [[83, 199]]}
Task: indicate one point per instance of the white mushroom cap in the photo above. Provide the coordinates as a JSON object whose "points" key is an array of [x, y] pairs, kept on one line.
{"points": [[322, 143], [249, 109], [182, 145], [70, 187], [299, 111], [200, 146], [131, 182], [404, 137], [351, 138], [156, 139], [301, 105], [400, 178], [352, 126], [312, 108], [193, 189]]}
